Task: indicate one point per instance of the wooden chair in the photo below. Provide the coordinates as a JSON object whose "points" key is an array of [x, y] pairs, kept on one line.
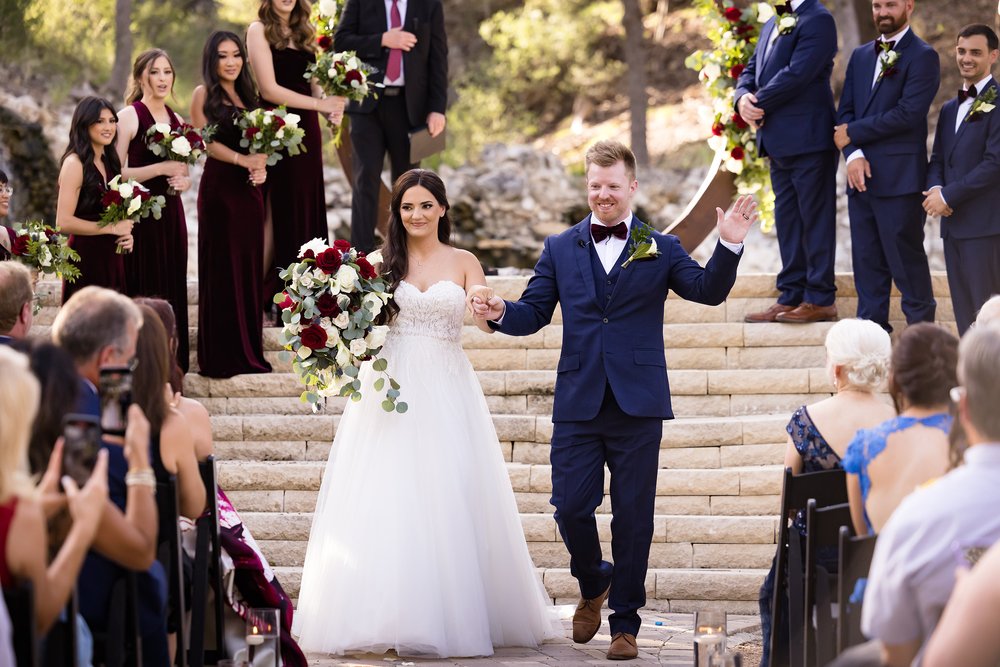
{"points": [[170, 554], [207, 571], [855, 560], [822, 535], [120, 645], [828, 487], [60, 646], [20, 601]]}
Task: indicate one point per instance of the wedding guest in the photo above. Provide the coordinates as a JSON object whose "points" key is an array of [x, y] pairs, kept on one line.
{"points": [[406, 41], [964, 168], [888, 461], [6, 233], [27, 557], [231, 248], [6, 636], [857, 361], [282, 44], [913, 570], [787, 80], [989, 312], [158, 264], [90, 161], [16, 301], [882, 130]]}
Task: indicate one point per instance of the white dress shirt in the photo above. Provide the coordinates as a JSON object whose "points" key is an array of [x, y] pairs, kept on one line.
{"points": [[774, 33], [964, 107], [858, 154], [401, 4]]}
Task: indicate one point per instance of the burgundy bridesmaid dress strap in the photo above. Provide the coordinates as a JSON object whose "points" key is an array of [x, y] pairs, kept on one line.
{"points": [[146, 119], [175, 122]]}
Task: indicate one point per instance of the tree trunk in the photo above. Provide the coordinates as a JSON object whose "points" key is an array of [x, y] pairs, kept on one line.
{"points": [[123, 49], [635, 61]]}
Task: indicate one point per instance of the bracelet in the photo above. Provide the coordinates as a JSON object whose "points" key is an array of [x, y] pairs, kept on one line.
{"points": [[236, 159], [315, 104], [143, 477]]}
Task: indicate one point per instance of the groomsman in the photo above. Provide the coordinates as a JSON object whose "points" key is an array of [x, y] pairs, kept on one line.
{"points": [[784, 94], [882, 129], [963, 176]]}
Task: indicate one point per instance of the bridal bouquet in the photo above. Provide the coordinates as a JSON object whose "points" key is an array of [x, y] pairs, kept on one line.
{"points": [[43, 249], [269, 131], [342, 75], [129, 200], [332, 298]]}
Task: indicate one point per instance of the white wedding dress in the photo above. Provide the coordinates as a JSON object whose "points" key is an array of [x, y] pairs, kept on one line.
{"points": [[416, 544]]}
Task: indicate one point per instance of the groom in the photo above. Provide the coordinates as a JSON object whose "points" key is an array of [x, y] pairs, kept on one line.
{"points": [[611, 393]]}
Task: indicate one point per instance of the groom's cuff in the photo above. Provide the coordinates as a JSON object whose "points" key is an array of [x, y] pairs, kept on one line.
{"points": [[499, 320], [736, 248]]}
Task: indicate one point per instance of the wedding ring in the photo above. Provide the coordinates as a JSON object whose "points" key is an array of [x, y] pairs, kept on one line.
{"points": [[746, 217]]}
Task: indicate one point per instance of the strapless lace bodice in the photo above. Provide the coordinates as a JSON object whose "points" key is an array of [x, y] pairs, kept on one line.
{"points": [[436, 313]]}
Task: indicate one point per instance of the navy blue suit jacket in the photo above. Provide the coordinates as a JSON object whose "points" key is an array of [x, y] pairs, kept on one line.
{"points": [[889, 122], [792, 84], [967, 165], [619, 342]]}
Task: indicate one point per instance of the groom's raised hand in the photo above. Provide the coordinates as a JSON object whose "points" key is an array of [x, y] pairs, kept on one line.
{"points": [[734, 224]]}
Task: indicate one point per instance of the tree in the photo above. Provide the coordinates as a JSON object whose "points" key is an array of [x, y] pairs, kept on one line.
{"points": [[123, 48], [635, 61]]}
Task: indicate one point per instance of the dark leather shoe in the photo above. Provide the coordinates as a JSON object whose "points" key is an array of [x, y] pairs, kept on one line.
{"points": [[623, 647], [587, 618], [768, 315], [808, 312]]}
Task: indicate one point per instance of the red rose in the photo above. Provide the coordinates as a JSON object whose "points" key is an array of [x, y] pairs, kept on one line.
{"points": [[157, 137], [279, 122], [324, 42], [734, 14], [737, 153], [343, 245], [328, 306], [745, 29], [353, 75], [339, 66], [19, 245], [251, 132], [313, 337], [736, 70], [287, 303], [739, 122], [366, 269], [329, 260], [308, 254], [111, 197], [718, 128]]}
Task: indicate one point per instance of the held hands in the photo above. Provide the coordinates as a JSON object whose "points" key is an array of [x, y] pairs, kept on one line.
{"points": [[841, 137], [86, 505], [397, 38], [934, 203], [435, 123], [734, 224], [484, 304], [751, 113], [857, 171]]}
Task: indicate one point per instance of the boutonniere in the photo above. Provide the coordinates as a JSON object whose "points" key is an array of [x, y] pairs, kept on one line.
{"points": [[787, 23], [887, 61], [642, 245], [983, 105]]}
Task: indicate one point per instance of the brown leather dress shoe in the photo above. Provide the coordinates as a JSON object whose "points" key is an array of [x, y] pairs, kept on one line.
{"points": [[587, 618], [768, 315], [623, 647], [808, 312]]}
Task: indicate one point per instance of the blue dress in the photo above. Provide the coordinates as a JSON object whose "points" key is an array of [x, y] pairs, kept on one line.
{"points": [[868, 443]]}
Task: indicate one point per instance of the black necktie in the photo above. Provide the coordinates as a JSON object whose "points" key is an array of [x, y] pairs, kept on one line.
{"points": [[601, 232], [784, 8], [964, 95], [879, 46]]}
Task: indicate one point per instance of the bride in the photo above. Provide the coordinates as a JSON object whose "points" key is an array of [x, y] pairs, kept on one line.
{"points": [[416, 544]]}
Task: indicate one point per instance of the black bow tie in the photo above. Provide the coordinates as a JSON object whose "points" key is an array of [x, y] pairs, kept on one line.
{"points": [[964, 95], [784, 8], [601, 232], [879, 46]]}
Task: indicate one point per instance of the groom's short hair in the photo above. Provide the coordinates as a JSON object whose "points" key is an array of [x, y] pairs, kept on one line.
{"points": [[609, 153]]}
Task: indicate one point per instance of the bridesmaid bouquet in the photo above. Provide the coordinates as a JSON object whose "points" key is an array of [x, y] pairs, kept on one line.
{"points": [[326, 15], [269, 131], [184, 143], [128, 200], [332, 299], [43, 249], [342, 75]]}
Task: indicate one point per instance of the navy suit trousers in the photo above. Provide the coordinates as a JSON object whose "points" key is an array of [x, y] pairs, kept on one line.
{"points": [[630, 446], [973, 275]]}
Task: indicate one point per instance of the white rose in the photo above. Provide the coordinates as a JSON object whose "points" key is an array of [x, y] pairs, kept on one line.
{"points": [[764, 12], [341, 321], [162, 128], [343, 354], [126, 189], [375, 257], [711, 72], [306, 281], [734, 166], [347, 276], [332, 335], [327, 7], [319, 276], [133, 206], [717, 143], [268, 117], [292, 119], [316, 245], [358, 347], [332, 72], [181, 146], [376, 337], [293, 329], [280, 134]]}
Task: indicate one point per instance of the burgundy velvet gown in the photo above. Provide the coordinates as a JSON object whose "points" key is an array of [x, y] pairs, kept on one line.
{"points": [[157, 266], [99, 263], [230, 265], [295, 184]]}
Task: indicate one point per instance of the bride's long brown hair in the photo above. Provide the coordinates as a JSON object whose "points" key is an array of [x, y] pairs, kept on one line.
{"points": [[395, 255]]}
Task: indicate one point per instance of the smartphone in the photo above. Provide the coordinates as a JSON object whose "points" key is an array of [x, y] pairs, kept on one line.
{"points": [[116, 395], [81, 444]]}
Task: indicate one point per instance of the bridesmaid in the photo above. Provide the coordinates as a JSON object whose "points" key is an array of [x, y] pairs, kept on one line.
{"points": [[231, 218], [158, 265], [90, 161], [282, 45]]}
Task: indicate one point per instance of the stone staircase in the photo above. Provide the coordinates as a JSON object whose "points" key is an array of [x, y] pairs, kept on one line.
{"points": [[733, 385]]}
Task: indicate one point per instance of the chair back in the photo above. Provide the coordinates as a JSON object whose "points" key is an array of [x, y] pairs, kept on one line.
{"points": [[822, 537], [207, 573], [855, 560], [20, 601], [60, 647], [827, 487], [170, 554], [121, 644]]}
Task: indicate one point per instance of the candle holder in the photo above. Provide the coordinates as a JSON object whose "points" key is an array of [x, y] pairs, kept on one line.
{"points": [[709, 637], [263, 630]]}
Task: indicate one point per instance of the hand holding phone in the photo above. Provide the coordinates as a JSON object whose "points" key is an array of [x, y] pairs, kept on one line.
{"points": [[116, 395], [81, 444]]}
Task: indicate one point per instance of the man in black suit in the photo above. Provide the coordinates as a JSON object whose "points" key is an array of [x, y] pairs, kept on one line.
{"points": [[406, 41], [16, 301]]}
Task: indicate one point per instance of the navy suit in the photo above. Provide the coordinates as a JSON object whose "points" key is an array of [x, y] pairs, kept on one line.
{"points": [[611, 395], [889, 123], [967, 165], [792, 85]]}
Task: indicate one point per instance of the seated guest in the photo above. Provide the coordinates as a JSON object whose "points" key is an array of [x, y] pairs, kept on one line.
{"points": [[26, 558], [6, 637], [887, 462], [913, 569], [990, 311], [966, 634], [16, 301], [857, 361], [99, 328], [6, 235]]}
